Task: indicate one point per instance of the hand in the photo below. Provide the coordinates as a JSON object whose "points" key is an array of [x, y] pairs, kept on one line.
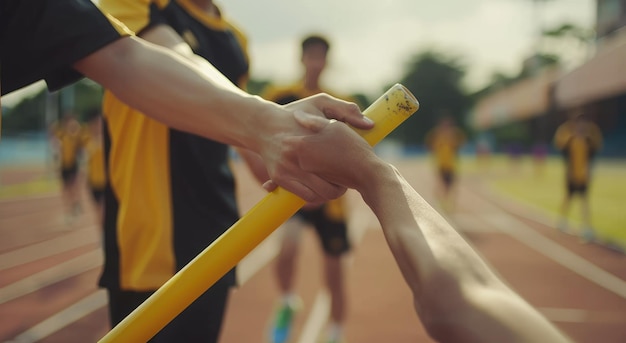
{"points": [[284, 157], [329, 107], [334, 152]]}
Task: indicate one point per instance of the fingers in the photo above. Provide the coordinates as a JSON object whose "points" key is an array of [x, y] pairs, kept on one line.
{"points": [[313, 140], [269, 185], [311, 122], [321, 192], [308, 186], [344, 111]]}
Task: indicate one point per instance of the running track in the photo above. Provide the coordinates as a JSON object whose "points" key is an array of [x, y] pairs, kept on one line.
{"points": [[48, 273]]}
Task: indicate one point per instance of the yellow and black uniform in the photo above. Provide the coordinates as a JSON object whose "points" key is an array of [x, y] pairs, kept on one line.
{"points": [[329, 220], [169, 193], [96, 178], [578, 146], [445, 144], [70, 138], [42, 39]]}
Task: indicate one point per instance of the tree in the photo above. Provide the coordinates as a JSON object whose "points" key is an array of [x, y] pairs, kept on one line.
{"points": [[568, 42], [436, 80], [256, 87], [30, 114], [26, 116]]}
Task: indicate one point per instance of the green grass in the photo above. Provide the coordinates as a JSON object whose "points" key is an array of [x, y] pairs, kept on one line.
{"points": [[31, 188], [39, 182], [544, 190]]}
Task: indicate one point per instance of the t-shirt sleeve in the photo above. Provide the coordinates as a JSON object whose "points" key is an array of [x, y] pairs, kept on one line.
{"points": [[43, 39], [137, 15]]}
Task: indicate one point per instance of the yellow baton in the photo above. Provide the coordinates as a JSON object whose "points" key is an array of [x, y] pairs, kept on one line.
{"points": [[387, 112]]}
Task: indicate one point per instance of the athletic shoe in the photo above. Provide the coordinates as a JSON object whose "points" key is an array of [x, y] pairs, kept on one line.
{"points": [[334, 333], [284, 320], [588, 235], [77, 210], [562, 225]]}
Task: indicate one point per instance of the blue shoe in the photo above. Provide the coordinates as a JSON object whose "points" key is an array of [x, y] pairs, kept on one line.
{"points": [[283, 322]]}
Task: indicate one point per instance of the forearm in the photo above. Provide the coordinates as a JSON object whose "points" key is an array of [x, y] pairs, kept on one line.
{"points": [[456, 295], [189, 96], [424, 244]]}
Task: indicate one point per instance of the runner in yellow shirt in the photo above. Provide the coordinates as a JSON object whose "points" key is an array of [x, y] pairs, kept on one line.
{"points": [[94, 150], [444, 142], [328, 219], [578, 139], [68, 134]]}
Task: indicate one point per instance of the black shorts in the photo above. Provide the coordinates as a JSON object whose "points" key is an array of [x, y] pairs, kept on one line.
{"points": [[199, 322], [576, 188], [68, 174], [97, 193], [447, 176], [333, 234]]}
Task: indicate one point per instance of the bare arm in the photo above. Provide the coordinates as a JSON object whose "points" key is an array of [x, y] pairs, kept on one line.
{"points": [[195, 97], [456, 295]]}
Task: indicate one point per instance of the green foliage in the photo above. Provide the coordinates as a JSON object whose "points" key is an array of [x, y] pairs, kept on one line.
{"points": [[553, 50], [362, 100], [88, 95], [30, 113], [569, 30], [27, 115], [257, 87], [515, 132], [436, 80]]}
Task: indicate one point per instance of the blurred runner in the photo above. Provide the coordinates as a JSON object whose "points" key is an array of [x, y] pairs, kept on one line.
{"points": [[444, 142], [93, 147], [68, 134], [578, 139], [327, 219]]}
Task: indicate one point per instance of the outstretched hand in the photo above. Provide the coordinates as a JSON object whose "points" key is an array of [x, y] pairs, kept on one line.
{"points": [[326, 106], [334, 152]]}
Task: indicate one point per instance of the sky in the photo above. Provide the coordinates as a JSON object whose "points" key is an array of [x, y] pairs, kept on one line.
{"points": [[372, 41]]}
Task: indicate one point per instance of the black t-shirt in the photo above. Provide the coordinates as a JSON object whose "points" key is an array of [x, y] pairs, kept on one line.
{"points": [[42, 39]]}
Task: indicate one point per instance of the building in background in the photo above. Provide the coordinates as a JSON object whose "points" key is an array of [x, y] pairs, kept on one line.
{"points": [[599, 85], [537, 104]]}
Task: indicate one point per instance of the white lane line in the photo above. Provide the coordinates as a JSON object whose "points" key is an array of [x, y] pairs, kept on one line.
{"points": [[29, 198], [571, 315], [317, 318], [252, 264], [30, 253], [61, 319], [564, 315], [320, 312], [249, 266], [467, 222], [51, 276], [525, 234]]}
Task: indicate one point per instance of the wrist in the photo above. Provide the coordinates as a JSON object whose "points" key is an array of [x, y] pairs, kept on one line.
{"points": [[381, 177], [261, 125]]}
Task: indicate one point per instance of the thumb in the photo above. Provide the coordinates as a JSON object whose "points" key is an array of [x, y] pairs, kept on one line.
{"points": [[269, 185], [310, 121]]}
